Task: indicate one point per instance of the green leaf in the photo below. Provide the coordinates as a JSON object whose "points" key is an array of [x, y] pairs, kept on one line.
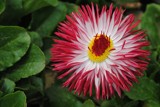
{"points": [[152, 103], [146, 89], [154, 66], [36, 39], [71, 7], [13, 12], [32, 63], [33, 5], [36, 84], [17, 99], [1, 93], [52, 2], [94, 1], [2, 6], [151, 23], [108, 103], [7, 86], [14, 43], [45, 20], [16, 9], [59, 97], [47, 41], [113, 102], [126, 1], [88, 103], [131, 104], [119, 102], [33, 85]]}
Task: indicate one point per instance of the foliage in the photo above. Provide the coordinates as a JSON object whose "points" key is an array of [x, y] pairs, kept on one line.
{"points": [[26, 78]]}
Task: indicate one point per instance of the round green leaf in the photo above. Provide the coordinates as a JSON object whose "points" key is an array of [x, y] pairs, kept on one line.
{"points": [[17, 99], [32, 63], [36, 39], [7, 86], [14, 43]]}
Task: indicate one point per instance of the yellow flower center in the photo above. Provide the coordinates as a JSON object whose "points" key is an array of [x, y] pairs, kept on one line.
{"points": [[99, 48]]}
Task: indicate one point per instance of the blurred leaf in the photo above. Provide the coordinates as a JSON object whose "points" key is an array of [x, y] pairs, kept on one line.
{"points": [[47, 53], [14, 43], [13, 12], [2, 6], [59, 97], [154, 65], [71, 7], [33, 88], [45, 20], [49, 77], [151, 23], [15, 9], [7, 86], [37, 84], [144, 90], [119, 102], [34, 85], [36, 39], [52, 2], [47, 41], [153, 56], [33, 63], [17, 99], [131, 104], [125, 1], [1, 93], [108, 103], [94, 1], [88, 103], [33, 5], [152, 103]]}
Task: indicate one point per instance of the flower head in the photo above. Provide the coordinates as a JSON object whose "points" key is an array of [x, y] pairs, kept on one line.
{"points": [[99, 51]]}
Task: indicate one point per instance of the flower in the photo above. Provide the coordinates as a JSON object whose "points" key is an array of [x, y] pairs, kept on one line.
{"points": [[99, 51]]}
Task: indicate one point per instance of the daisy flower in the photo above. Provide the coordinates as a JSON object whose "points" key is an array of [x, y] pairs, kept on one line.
{"points": [[99, 52]]}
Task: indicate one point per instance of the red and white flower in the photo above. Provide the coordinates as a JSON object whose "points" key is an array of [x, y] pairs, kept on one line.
{"points": [[100, 51]]}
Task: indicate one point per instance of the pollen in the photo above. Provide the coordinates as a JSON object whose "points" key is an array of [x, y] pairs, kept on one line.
{"points": [[99, 48]]}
